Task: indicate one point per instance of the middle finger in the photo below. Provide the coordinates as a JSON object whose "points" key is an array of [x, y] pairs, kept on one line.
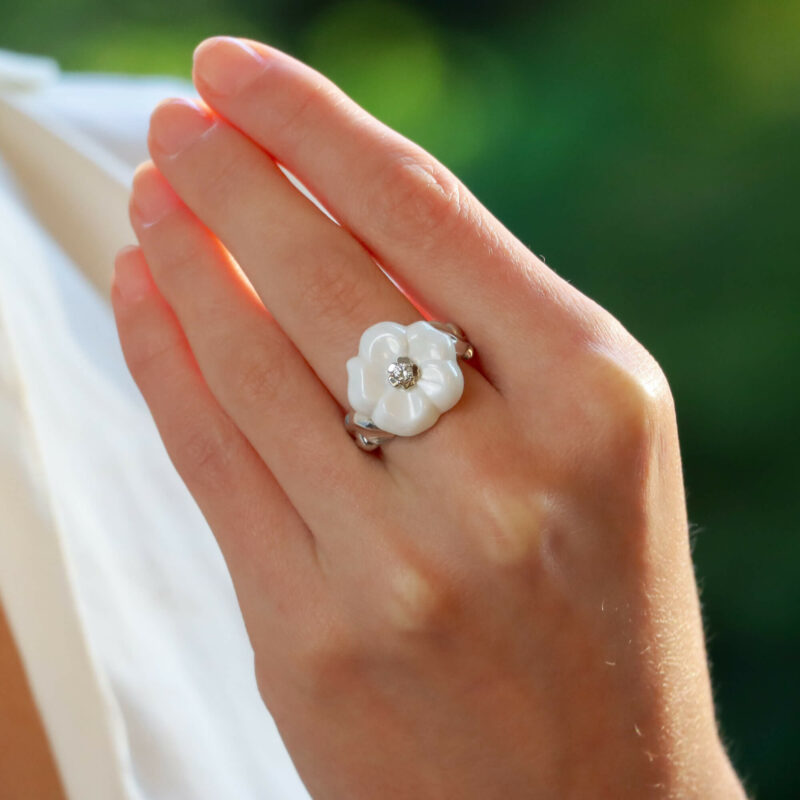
{"points": [[317, 280]]}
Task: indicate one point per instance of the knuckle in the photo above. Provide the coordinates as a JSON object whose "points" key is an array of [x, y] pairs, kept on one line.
{"points": [[417, 197], [637, 397], [173, 263], [335, 295], [305, 98], [325, 660], [634, 398], [219, 169], [257, 374], [146, 355], [511, 526], [417, 602], [204, 456]]}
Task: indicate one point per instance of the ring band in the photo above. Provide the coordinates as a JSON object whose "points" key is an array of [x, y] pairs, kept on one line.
{"points": [[403, 379]]}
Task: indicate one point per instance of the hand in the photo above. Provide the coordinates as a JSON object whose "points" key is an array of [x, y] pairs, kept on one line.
{"points": [[500, 607]]}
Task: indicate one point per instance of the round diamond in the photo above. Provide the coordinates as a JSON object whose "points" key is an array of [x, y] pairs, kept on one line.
{"points": [[403, 373]]}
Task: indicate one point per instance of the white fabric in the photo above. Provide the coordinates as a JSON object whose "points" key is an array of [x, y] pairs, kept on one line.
{"points": [[115, 589]]}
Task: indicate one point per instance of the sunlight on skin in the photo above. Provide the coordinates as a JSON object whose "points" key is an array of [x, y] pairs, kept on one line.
{"points": [[544, 638]]}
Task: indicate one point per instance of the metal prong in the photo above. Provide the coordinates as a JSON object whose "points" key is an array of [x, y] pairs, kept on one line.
{"points": [[463, 348], [367, 434]]}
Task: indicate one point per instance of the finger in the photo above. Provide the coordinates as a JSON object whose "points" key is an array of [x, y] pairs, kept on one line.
{"points": [[290, 250], [318, 282], [423, 225], [264, 541], [250, 366]]}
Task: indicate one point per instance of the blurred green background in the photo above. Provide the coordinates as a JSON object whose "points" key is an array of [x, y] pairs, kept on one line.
{"points": [[651, 153]]}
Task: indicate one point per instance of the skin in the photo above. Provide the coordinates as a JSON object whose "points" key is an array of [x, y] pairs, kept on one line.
{"points": [[27, 768], [503, 606]]}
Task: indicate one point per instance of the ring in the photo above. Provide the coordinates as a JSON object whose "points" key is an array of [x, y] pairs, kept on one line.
{"points": [[403, 379]]}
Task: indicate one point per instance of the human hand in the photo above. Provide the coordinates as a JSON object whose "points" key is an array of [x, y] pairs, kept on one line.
{"points": [[503, 606]]}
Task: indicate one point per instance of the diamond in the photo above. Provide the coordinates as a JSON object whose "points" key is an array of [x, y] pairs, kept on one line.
{"points": [[403, 373]]}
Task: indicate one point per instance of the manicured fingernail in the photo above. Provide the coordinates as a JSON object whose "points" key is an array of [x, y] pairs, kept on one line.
{"points": [[226, 65], [130, 274], [153, 197], [176, 123]]}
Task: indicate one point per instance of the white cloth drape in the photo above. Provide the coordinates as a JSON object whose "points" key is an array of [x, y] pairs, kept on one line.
{"points": [[115, 590]]}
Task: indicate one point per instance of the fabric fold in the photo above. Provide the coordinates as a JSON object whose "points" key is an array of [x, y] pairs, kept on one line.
{"points": [[114, 586]]}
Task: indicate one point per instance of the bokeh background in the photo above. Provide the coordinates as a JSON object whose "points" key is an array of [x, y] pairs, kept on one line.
{"points": [[650, 152]]}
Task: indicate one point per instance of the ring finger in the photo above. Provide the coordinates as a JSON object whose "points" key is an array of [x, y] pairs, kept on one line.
{"points": [[317, 280]]}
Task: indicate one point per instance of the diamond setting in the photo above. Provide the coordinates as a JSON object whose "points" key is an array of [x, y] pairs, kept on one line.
{"points": [[403, 373]]}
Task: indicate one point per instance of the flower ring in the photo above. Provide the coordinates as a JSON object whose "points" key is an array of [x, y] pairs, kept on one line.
{"points": [[403, 379]]}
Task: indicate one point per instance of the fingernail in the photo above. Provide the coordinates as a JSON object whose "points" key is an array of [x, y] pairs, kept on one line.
{"points": [[153, 198], [226, 65], [130, 274], [176, 123]]}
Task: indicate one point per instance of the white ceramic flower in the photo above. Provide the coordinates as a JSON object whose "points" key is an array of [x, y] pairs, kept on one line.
{"points": [[404, 377]]}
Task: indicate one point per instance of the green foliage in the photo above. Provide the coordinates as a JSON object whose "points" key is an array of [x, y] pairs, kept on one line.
{"points": [[650, 152]]}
